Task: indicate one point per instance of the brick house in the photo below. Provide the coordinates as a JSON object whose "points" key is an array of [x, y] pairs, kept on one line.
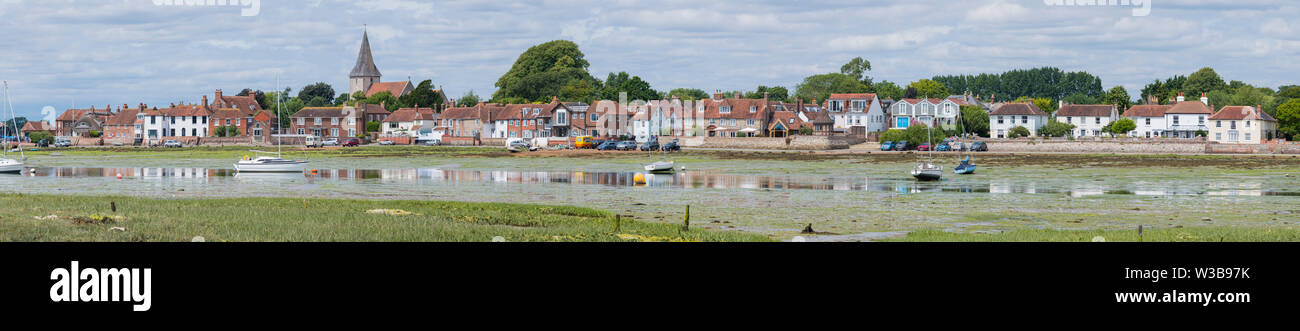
{"points": [[79, 122], [327, 122], [124, 127], [737, 117], [36, 126], [529, 120]]}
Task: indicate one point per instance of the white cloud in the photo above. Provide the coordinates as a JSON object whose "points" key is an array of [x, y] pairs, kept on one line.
{"points": [[909, 39]]}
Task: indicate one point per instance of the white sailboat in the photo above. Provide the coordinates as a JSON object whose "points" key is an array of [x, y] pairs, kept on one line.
{"points": [[271, 163], [9, 165], [928, 171], [660, 167]]}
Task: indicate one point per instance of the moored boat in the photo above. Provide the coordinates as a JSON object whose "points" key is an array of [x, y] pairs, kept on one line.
{"points": [[927, 172], [270, 164], [965, 168], [661, 167]]}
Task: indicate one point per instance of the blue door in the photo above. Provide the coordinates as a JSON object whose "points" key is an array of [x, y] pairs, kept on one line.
{"points": [[902, 123]]}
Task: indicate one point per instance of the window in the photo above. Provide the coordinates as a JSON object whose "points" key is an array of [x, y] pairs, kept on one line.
{"points": [[1024, 119], [595, 117], [1069, 119], [536, 111], [316, 121], [194, 119], [302, 131], [859, 105], [173, 120], [352, 121], [725, 109], [194, 132], [1218, 136], [301, 121], [1097, 120], [153, 119], [1175, 120], [1218, 124], [334, 132], [1248, 125], [334, 121], [1247, 136], [1148, 121], [1202, 121], [753, 109], [749, 122], [1000, 121], [1232, 125]]}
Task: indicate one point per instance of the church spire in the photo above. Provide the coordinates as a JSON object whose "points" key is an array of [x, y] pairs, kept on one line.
{"points": [[365, 62]]}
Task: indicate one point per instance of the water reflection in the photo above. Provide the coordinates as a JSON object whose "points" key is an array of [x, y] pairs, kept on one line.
{"points": [[685, 180]]}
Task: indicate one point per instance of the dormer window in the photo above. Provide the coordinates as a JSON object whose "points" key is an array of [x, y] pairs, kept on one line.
{"points": [[536, 111], [753, 109], [724, 109]]}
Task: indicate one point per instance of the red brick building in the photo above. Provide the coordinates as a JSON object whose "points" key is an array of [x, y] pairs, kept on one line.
{"points": [[328, 122]]}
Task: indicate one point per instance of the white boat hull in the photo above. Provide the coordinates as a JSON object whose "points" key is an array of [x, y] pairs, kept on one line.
{"points": [[10, 166], [661, 167], [271, 167]]}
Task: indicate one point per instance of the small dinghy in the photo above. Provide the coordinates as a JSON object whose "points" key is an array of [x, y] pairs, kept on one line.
{"points": [[661, 167], [965, 168]]}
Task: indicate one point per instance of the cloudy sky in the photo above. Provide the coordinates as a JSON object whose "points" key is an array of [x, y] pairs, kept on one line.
{"points": [[57, 52]]}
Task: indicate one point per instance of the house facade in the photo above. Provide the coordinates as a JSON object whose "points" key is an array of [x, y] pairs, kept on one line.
{"points": [[1150, 120], [327, 122], [178, 122], [125, 127], [528, 120], [1088, 120], [80, 122], [736, 117], [940, 113], [1185, 119], [857, 110], [1012, 115], [409, 121], [1242, 125], [36, 126]]}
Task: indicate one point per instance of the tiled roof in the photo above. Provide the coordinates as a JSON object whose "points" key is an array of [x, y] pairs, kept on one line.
{"points": [[310, 112], [37, 126], [244, 103], [1190, 107], [527, 111], [739, 108], [1018, 109], [853, 96], [185, 110], [1241, 113], [394, 88], [372, 109], [1085, 110], [790, 119], [1147, 111], [126, 117], [403, 115]]}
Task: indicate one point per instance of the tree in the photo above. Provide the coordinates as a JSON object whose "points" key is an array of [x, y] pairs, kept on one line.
{"points": [[318, 90], [1046, 82], [975, 120], [690, 94], [1118, 96], [1288, 119], [1053, 129], [1081, 99], [423, 96], [1018, 132], [285, 108], [542, 71], [775, 93], [1203, 81], [390, 102], [342, 99], [317, 102], [1289, 92], [916, 134], [468, 100], [373, 126], [858, 68], [820, 87], [257, 95], [1122, 127], [37, 136], [927, 88], [887, 90], [622, 82]]}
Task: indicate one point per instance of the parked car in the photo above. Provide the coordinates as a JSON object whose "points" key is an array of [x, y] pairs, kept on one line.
{"points": [[43, 143], [607, 146], [431, 142], [943, 147], [979, 146], [887, 146], [352, 142], [330, 142], [172, 144], [585, 142], [386, 143], [626, 145], [650, 146], [62, 142], [901, 146], [672, 147], [958, 146], [924, 147]]}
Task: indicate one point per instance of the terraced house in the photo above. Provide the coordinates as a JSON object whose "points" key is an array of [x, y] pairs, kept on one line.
{"points": [[530, 120], [1088, 120], [185, 123], [327, 122], [1242, 125], [933, 112], [80, 122], [1150, 120], [125, 127], [1012, 115], [737, 117]]}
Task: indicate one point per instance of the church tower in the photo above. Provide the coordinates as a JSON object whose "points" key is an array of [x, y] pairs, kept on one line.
{"points": [[364, 73]]}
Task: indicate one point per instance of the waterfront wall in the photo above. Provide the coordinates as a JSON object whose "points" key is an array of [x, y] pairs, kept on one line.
{"points": [[1105, 146], [792, 143]]}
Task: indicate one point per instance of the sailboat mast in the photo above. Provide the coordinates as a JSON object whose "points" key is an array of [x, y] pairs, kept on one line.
{"points": [[278, 152], [12, 116]]}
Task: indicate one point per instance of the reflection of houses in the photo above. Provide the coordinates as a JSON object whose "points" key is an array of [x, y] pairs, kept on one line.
{"points": [[1088, 120], [1242, 125]]}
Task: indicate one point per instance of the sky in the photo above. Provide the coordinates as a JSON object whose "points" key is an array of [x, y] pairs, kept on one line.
{"points": [[59, 53]]}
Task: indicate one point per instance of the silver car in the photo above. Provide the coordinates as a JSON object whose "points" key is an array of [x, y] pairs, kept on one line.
{"points": [[172, 144]]}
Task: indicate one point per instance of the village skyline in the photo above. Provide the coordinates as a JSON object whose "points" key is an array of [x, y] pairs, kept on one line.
{"points": [[445, 42]]}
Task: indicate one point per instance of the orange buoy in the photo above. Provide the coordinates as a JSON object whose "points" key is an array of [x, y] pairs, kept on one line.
{"points": [[639, 179], [119, 176]]}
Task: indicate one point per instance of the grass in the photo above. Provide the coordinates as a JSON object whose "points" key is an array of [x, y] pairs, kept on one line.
{"points": [[1189, 234], [55, 218]]}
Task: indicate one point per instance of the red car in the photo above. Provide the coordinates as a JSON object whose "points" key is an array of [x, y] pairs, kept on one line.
{"points": [[351, 142], [924, 147]]}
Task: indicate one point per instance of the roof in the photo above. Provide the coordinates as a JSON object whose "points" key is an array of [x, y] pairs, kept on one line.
{"points": [[527, 111], [852, 96], [461, 113], [245, 103], [1147, 111], [1018, 109], [789, 119], [230, 113], [76, 114], [409, 115], [37, 126], [1241, 113], [126, 117], [1085, 110], [822, 117], [739, 108], [184, 110], [319, 112], [397, 89], [365, 61], [1190, 107]]}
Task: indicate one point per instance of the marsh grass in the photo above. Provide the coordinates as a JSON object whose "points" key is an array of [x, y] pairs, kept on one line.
{"points": [[1188, 234], [25, 218]]}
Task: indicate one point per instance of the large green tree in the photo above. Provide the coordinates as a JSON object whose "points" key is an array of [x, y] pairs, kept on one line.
{"points": [[318, 90], [1046, 82], [1288, 119], [688, 93], [887, 90], [1203, 81], [622, 82], [927, 88], [820, 87], [1118, 96], [468, 100], [975, 120], [424, 96], [858, 68], [775, 93], [542, 72]]}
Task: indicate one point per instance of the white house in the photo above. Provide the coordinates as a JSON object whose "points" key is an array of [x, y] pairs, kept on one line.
{"points": [[1088, 120], [1242, 125], [1186, 118], [1012, 115], [857, 109], [1150, 120], [177, 121], [933, 112]]}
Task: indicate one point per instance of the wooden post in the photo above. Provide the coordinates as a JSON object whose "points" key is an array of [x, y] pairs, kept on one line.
{"points": [[618, 223], [686, 226], [113, 206], [1139, 233]]}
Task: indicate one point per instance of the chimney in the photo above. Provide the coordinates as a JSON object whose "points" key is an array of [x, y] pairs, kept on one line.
{"points": [[1180, 97], [737, 95], [218, 95], [205, 101], [555, 99], [717, 95], [173, 105], [1205, 99], [765, 96]]}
